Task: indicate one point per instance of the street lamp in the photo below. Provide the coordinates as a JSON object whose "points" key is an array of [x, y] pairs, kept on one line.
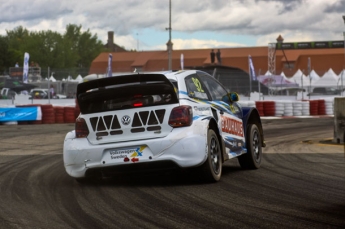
{"points": [[342, 73], [169, 44]]}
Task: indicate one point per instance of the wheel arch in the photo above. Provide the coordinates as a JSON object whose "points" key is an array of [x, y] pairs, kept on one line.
{"points": [[252, 116], [213, 125]]}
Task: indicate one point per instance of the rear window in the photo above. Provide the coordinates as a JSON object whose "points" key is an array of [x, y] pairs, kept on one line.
{"points": [[127, 95]]}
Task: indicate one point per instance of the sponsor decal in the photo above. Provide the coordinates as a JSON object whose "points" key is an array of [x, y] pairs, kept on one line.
{"points": [[232, 126], [127, 154]]}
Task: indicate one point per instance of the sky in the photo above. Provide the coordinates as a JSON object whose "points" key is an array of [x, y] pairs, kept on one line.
{"points": [[195, 24]]}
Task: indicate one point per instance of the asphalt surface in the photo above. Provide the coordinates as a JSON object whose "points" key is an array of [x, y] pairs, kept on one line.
{"points": [[301, 184]]}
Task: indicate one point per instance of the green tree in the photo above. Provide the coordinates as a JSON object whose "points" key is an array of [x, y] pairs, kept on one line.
{"points": [[5, 58], [69, 52]]}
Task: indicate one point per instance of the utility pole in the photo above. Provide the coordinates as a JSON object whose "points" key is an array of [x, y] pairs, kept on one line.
{"points": [[169, 44]]}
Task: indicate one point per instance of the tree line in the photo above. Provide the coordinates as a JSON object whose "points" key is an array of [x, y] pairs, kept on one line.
{"points": [[65, 54]]}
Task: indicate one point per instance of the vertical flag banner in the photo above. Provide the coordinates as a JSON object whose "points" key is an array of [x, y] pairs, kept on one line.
{"points": [[110, 59], [182, 61], [251, 68], [26, 67]]}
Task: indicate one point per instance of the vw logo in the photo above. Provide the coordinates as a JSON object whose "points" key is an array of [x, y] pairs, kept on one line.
{"points": [[126, 120]]}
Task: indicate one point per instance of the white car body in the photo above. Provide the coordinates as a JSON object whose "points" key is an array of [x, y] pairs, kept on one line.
{"points": [[142, 138]]}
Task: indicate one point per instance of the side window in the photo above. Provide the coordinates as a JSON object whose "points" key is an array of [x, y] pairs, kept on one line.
{"points": [[216, 90], [195, 89]]}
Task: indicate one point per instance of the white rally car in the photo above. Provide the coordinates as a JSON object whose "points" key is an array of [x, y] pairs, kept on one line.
{"points": [[158, 121]]}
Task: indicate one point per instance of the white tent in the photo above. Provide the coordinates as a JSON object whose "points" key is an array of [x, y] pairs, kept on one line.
{"points": [[329, 79], [314, 77], [268, 73], [52, 79], [79, 79], [341, 78], [300, 79], [69, 78]]}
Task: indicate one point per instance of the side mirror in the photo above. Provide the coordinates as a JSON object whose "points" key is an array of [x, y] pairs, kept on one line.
{"points": [[234, 97]]}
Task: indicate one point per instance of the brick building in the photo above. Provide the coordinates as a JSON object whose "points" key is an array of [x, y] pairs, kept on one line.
{"points": [[289, 57]]}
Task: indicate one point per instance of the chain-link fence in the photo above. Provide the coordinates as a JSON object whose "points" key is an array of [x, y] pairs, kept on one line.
{"points": [[316, 82]]}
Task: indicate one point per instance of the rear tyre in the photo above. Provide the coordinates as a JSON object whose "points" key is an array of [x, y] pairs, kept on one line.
{"points": [[252, 159], [212, 167]]}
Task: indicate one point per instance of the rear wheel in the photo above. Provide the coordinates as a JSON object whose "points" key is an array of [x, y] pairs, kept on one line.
{"points": [[212, 167], [252, 159]]}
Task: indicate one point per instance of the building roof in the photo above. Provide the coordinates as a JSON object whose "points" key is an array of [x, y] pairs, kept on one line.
{"points": [[321, 60]]}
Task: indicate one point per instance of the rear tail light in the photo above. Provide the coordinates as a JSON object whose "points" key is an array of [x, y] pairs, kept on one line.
{"points": [[181, 116], [81, 130], [138, 104]]}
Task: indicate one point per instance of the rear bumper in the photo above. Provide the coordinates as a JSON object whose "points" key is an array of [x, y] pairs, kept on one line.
{"points": [[182, 148]]}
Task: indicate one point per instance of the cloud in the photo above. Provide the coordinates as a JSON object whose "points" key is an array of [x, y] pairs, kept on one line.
{"points": [[263, 20]]}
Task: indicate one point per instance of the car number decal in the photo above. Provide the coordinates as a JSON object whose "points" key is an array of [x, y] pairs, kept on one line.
{"points": [[197, 84]]}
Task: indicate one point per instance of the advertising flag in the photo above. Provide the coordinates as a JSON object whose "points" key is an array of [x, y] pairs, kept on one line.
{"points": [[110, 59], [26, 67], [251, 68], [182, 61]]}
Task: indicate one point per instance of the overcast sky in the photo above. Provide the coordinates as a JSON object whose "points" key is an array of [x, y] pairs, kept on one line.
{"points": [[196, 24]]}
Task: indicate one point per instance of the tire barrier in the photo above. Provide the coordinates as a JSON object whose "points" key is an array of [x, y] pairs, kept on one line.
{"points": [[279, 108], [305, 108], [260, 107], [321, 107], [329, 105], [297, 108], [77, 109], [314, 107], [69, 114], [288, 108], [269, 108], [59, 114], [48, 114]]}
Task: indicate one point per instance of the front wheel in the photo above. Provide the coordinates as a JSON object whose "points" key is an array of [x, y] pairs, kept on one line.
{"points": [[212, 167], [252, 159]]}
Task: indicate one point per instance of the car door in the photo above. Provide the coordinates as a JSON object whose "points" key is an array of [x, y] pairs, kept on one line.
{"points": [[229, 113]]}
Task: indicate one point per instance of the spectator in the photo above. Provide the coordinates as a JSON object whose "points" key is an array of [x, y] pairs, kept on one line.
{"points": [[16, 65], [51, 91], [212, 56], [218, 57], [63, 87]]}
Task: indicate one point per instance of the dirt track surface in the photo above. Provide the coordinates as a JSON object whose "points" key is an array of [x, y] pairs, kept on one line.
{"points": [[301, 184]]}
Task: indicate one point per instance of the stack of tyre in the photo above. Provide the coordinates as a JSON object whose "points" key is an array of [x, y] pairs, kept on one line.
{"points": [[288, 108], [329, 107], [48, 114], [269, 108], [279, 108], [297, 108], [260, 107], [305, 108], [59, 114], [69, 114], [314, 107]]}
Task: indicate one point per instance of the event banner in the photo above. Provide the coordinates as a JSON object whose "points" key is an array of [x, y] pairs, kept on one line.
{"points": [[9, 114], [26, 67], [311, 45]]}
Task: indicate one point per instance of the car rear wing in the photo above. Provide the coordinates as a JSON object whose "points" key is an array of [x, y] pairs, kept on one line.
{"points": [[125, 91]]}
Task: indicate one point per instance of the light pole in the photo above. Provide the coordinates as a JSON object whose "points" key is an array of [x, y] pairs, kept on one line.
{"points": [[169, 44], [342, 73], [137, 42]]}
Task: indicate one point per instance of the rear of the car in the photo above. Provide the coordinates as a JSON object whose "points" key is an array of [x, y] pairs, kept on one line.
{"points": [[128, 123]]}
